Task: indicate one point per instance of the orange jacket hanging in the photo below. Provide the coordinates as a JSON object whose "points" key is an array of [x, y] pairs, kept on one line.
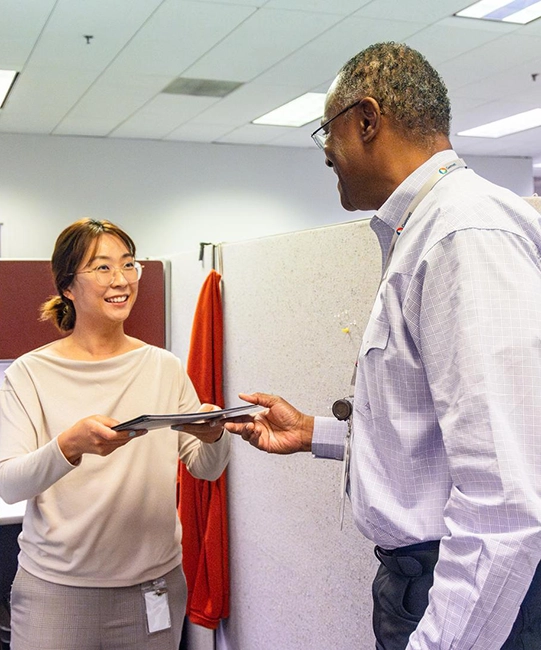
{"points": [[203, 504]]}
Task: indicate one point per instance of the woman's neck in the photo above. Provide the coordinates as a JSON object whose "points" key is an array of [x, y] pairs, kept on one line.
{"points": [[95, 345]]}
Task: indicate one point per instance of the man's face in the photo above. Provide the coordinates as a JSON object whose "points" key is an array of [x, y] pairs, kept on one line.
{"points": [[346, 154]]}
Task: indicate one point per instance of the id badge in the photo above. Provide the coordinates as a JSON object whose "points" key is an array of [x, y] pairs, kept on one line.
{"points": [[345, 476], [156, 600]]}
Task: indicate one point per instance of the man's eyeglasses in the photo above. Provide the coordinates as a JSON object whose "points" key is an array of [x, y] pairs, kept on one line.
{"points": [[105, 274], [319, 136]]}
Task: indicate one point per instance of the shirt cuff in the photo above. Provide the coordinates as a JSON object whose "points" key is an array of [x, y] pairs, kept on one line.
{"points": [[328, 439]]}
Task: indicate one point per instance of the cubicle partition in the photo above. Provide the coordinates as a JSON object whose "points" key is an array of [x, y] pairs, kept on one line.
{"points": [[295, 307]]}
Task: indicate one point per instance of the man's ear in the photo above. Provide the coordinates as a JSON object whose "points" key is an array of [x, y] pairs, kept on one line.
{"points": [[370, 118]]}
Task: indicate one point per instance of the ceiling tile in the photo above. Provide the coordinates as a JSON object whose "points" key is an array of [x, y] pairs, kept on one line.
{"points": [[247, 103], [20, 28], [247, 3], [489, 59], [112, 87], [112, 25], [426, 10], [447, 40], [328, 52], [111, 103], [263, 40], [162, 115], [515, 82], [178, 35], [342, 7], [42, 96]]}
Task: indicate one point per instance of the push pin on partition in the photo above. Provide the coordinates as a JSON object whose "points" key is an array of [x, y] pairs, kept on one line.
{"points": [[345, 323]]}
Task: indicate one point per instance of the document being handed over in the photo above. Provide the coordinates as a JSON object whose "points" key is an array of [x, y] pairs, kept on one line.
{"points": [[159, 421]]}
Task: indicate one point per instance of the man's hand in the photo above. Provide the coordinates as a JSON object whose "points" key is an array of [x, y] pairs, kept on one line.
{"points": [[281, 429]]}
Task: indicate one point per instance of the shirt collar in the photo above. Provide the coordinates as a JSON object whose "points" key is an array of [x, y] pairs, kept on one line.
{"points": [[387, 217]]}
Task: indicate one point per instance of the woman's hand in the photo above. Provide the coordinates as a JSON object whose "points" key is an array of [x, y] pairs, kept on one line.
{"points": [[208, 431], [94, 435]]}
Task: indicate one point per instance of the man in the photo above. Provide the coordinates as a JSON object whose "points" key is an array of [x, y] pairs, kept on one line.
{"points": [[445, 474]]}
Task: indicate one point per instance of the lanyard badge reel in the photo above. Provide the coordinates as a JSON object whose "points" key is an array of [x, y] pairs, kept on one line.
{"points": [[342, 410]]}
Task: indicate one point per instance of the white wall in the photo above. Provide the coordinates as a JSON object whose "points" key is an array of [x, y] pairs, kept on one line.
{"points": [[170, 196], [513, 173]]}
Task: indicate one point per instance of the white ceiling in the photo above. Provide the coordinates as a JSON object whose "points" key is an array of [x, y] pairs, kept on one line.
{"points": [[279, 49]]}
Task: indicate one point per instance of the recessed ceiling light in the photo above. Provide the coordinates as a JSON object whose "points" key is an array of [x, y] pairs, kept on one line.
{"points": [[298, 112], [508, 11], [513, 124], [7, 79]]}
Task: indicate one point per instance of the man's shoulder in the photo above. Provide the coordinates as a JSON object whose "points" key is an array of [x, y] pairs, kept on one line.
{"points": [[469, 201]]}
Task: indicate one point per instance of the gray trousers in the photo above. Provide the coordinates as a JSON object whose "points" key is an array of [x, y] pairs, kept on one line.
{"points": [[49, 616]]}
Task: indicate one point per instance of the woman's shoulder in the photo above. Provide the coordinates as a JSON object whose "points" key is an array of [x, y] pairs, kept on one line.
{"points": [[25, 367], [28, 357], [161, 355]]}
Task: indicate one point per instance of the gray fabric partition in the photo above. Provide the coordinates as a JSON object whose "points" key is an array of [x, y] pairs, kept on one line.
{"points": [[297, 580]]}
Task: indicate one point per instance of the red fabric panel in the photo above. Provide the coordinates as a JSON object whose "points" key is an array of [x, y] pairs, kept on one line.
{"points": [[203, 504]]}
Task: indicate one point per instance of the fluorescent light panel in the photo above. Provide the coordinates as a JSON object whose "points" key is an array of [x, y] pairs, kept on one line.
{"points": [[298, 112], [509, 11], [7, 77], [513, 124]]}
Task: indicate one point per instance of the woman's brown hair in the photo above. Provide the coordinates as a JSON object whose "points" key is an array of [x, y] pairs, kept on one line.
{"points": [[71, 248]]}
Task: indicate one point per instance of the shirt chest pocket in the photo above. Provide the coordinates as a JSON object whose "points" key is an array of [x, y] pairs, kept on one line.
{"points": [[376, 335], [371, 388]]}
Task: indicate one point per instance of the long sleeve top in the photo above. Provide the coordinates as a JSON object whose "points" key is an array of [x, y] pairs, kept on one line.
{"points": [[109, 521], [446, 441]]}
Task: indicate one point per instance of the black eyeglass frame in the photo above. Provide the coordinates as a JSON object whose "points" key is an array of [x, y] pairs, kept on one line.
{"points": [[320, 139]]}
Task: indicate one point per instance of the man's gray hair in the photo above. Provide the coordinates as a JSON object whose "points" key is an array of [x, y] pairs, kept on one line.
{"points": [[406, 87]]}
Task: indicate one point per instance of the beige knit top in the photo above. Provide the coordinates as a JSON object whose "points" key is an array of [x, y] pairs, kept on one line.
{"points": [[109, 521]]}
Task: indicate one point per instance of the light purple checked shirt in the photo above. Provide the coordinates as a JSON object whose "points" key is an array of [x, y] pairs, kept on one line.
{"points": [[447, 411]]}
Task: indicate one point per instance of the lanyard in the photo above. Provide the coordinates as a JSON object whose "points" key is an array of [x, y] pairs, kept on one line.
{"points": [[436, 177], [342, 409]]}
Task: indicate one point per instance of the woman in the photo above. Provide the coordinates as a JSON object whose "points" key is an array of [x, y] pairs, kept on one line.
{"points": [[100, 561]]}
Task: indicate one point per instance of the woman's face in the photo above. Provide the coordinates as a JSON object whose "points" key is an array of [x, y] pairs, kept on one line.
{"points": [[98, 304]]}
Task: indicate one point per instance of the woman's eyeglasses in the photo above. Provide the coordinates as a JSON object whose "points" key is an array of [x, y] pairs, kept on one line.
{"points": [[105, 274]]}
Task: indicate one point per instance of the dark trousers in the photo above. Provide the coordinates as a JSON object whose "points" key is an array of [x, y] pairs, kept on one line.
{"points": [[9, 550], [400, 593]]}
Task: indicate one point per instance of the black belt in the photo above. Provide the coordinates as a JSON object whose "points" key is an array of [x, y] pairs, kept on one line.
{"points": [[410, 561]]}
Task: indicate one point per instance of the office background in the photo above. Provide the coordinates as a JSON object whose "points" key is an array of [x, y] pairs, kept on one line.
{"points": [[78, 140], [172, 195]]}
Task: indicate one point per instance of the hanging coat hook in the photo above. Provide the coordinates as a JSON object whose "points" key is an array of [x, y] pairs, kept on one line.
{"points": [[202, 249]]}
